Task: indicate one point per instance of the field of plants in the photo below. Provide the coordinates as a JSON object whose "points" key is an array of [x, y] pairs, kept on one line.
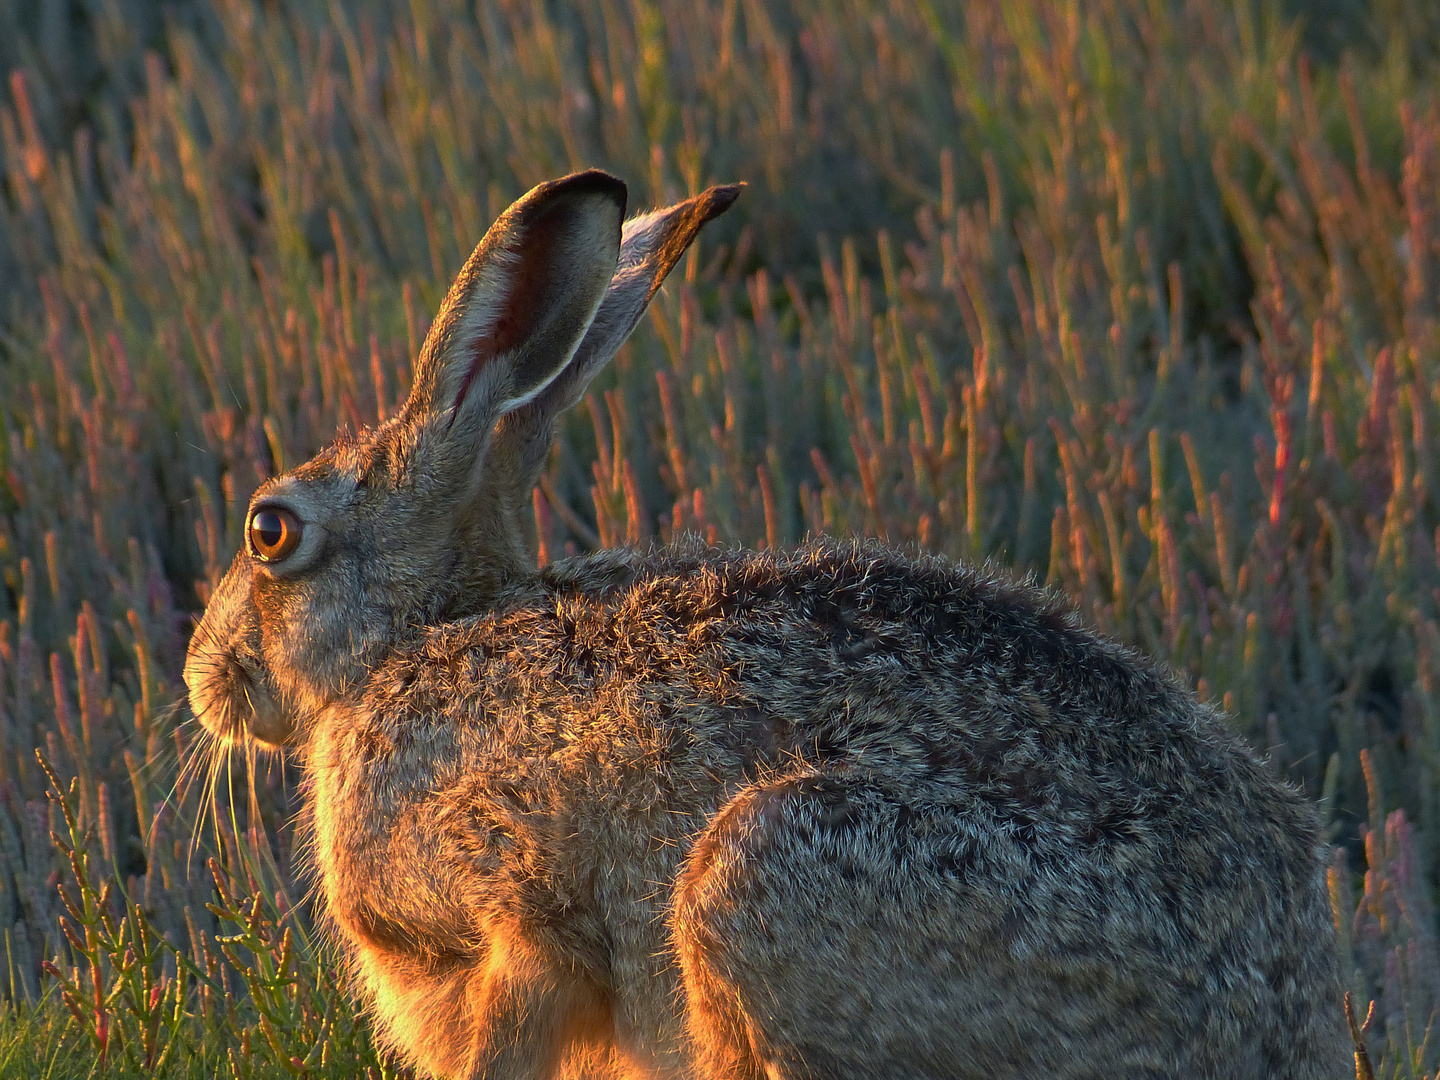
{"points": [[1141, 297]]}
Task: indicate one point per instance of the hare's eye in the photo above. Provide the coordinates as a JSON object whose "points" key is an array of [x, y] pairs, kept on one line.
{"points": [[274, 533]]}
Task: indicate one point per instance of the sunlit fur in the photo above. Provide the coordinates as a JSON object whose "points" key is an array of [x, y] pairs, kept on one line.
{"points": [[834, 812]]}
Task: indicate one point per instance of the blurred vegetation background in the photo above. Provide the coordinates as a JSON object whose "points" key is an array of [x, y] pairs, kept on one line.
{"points": [[1139, 296]]}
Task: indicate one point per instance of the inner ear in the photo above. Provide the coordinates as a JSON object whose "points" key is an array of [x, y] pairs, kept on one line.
{"points": [[530, 291]]}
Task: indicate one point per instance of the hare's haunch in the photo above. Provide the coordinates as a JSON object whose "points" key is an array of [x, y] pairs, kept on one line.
{"points": [[835, 812]]}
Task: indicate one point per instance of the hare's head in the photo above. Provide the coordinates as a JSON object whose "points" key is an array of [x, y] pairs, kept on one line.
{"points": [[426, 517]]}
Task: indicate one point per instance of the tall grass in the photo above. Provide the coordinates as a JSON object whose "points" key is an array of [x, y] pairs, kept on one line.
{"points": [[1136, 297]]}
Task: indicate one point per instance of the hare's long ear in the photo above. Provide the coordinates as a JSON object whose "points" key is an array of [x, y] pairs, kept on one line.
{"points": [[515, 315], [650, 247]]}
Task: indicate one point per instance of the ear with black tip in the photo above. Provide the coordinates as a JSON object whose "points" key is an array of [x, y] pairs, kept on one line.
{"points": [[519, 308], [650, 247]]}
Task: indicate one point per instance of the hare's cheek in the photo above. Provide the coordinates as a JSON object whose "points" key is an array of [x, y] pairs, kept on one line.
{"points": [[315, 638]]}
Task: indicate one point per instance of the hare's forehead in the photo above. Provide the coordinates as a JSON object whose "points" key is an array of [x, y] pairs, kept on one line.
{"points": [[327, 480], [313, 494], [338, 476], [351, 461]]}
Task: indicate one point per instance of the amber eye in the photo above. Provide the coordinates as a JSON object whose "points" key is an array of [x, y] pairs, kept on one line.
{"points": [[274, 533]]}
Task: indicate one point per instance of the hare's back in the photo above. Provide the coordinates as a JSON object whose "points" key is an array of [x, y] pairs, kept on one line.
{"points": [[842, 649]]}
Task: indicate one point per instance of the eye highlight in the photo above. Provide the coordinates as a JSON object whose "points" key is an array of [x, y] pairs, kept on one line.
{"points": [[274, 533]]}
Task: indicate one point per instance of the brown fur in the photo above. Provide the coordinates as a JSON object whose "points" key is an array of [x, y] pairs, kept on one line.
{"points": [[834, 812]]}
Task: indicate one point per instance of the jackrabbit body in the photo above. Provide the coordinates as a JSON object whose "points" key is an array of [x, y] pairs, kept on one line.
{"points": [[835, 812]]}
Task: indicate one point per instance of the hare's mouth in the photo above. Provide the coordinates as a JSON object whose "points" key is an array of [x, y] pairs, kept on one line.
{"points": [[267, 723]]}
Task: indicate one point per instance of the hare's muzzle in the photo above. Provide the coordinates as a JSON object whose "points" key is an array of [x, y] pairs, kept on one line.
{"points": [[231, 701], [229, 692]]}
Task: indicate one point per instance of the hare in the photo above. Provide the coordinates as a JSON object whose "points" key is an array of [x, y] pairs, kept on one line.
{"points": [[833, 812]]}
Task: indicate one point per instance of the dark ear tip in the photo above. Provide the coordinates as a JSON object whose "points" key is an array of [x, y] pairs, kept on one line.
{"points": [[589, 182], [714, 201], [543, 198]]}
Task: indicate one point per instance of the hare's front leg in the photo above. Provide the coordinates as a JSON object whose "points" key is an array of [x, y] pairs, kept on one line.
{"points": [[425, 895], [511, 1014]]}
